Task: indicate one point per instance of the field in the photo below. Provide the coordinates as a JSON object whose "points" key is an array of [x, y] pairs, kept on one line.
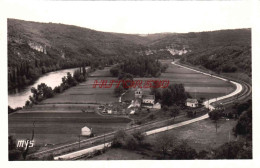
{"points": [[199, 135], [55, 128], [198, 85], [202, 135], [59, 119]]}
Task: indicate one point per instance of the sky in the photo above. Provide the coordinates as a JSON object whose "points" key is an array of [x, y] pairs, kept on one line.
{"points": [[136, 17]]}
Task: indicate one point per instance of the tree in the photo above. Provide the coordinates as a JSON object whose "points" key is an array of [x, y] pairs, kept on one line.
{"points": [[183, 151], [118, 90], [27, 103], [244, 124], [215, 115], [167, 97], [241, 107], [14, 154], [234, 150], [174, 94], [174, 111], [119, 139], [42, 92], [115, 71], [179, 95], [156, 91], [164, 143], [70, 80], [128, 141], [139, 136]]}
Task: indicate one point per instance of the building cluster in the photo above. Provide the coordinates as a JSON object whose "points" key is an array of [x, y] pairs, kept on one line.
{"points": [[144, 100]]}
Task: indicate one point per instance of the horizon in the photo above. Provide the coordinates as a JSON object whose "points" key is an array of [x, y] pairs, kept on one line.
{"points": [[140, 18], [142, 35]]}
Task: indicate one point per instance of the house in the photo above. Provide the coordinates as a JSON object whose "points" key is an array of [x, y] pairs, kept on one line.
{"points": [[192, 103], [148, 99], [85, 131], [136, 103], [109, 111], [138, 93]]}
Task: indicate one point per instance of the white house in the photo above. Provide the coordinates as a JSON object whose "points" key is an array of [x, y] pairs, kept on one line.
{"points": [[85, 131], [138, 93], [148, 99], [192, 103]]}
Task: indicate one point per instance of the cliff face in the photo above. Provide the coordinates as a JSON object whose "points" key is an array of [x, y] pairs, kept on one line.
{"points": [[38, 47]]}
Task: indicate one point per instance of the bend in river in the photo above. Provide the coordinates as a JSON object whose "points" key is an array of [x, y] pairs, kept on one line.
{"points": [[52, 79]]}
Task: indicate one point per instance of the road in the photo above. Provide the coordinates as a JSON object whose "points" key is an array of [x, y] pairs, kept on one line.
{"points": [[89, 143], [208, 103]]}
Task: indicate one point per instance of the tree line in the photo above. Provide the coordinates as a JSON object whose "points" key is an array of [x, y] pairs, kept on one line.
{"points": [[43, 91], [24, 73], [139, 66]]}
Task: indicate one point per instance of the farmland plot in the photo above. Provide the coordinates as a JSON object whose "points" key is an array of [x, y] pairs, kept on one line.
{"points": [[56, 128]]}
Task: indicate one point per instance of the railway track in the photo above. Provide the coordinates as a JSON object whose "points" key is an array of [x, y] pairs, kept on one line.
{"points": [[244, 94]]}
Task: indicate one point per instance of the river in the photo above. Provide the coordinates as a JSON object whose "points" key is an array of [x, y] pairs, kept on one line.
{"points": [[18, 98]]}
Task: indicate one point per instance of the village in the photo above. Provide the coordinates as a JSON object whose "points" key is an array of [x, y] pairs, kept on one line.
{"points": [[140, 100]]}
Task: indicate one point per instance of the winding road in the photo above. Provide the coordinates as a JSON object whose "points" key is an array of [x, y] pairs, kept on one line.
{"points": [[242, 91]]}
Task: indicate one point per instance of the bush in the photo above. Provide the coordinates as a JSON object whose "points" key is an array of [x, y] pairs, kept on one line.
{"points": [[183, 151], [128, 141], [119, 139]]}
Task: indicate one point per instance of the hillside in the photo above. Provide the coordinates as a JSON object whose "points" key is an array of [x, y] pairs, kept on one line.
{"points": [[224, 51], [37, 48], [198, 40], [65, 41]]}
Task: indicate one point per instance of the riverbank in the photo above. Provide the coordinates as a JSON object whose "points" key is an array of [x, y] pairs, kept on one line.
{"points": [[52, 79]]}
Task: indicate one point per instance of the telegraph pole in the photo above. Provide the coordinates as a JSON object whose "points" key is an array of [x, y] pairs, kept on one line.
{"points": [[104, 140], [79, 141]]}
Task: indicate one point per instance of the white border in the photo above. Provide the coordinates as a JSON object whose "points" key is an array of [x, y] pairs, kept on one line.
{"points": [[128, 164]]}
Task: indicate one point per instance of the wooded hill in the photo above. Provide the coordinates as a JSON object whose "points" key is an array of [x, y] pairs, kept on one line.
{"points": [[36, 48]]}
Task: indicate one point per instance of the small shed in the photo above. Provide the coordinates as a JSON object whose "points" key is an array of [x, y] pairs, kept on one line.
{"points": [[85, 131], [109, 111], [192, 103], [132, 111]]}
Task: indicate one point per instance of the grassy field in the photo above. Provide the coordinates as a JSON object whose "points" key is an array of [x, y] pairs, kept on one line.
{"points": [[202, 135], [55, 128], [198, 85]]}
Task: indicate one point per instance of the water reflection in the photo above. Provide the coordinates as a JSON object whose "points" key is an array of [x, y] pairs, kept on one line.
{"points": [[18, 97]]}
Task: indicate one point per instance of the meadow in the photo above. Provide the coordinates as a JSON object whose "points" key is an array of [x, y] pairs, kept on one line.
{"points": [[198, 85], [56, 128], [202, 135]]}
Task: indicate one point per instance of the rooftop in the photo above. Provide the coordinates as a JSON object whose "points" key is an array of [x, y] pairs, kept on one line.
{"points": [[148, 97], [192, 100]]}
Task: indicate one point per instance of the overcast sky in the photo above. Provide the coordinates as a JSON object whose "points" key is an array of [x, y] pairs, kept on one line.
{"points": [[136, 17]]}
